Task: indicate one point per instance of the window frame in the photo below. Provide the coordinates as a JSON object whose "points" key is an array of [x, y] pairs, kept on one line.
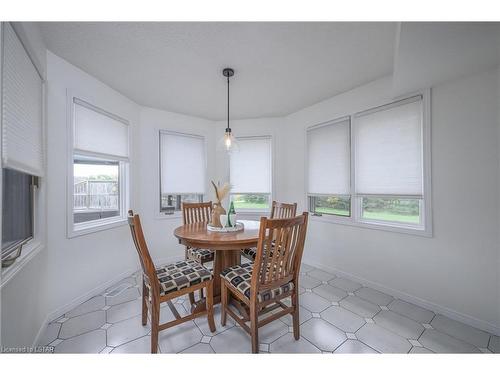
{"points": [[162, 214], [78, 229], [251, 211], [356, 219]]}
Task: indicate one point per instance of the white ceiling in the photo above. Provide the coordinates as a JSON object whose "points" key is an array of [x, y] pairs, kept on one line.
{"points": [[429, 53], [280, 67]]}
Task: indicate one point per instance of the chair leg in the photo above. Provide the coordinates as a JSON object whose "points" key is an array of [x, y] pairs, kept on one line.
{"points": [[295, 315], [210, 305], [223, 303], [254, 328], [145, 294], [191, 298], [201, 294], [155, 324]]}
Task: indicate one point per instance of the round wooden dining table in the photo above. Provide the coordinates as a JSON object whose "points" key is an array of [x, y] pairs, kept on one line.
{"points": [[227, 246]]}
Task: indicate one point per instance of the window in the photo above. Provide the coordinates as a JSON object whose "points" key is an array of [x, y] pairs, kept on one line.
{"points": [[329, 186], [387, 172], [388, 162], [250, 174], [22, 146], [96, 193], [182, 170], [99, 175]]}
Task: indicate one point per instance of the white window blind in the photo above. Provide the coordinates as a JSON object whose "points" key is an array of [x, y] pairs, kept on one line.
{"points": [[99, 132], [22, 147], [388, 149], [329, 159], [250, 168], [182, 163]]}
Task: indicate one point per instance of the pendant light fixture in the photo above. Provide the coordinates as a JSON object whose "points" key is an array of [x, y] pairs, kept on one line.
{"points": [[228, 141]]}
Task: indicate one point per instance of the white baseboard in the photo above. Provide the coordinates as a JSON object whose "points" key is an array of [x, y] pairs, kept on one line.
{"points": [[97, 290], [450, 313]]}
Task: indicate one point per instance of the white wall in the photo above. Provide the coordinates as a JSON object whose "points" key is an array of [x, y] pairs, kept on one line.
{"points": [[78, 265], [456, 270], [158, 229]]}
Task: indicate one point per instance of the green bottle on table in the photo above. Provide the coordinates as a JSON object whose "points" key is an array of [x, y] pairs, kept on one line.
{"points": [[231, 212]]}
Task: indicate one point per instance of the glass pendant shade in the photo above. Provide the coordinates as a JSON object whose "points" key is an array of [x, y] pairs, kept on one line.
{"points": [[228, 143]]}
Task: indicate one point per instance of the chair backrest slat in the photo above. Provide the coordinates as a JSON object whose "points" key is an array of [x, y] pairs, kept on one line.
{"points": [[196, 212], [279, 251], [283, 210]]}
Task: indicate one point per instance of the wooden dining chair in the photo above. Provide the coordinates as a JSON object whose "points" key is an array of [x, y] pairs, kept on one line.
{"points": [[278, 211], [162, 284], [195, 213], [262, 285]]}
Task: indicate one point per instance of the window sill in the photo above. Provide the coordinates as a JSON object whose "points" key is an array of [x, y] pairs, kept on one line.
{"points": [[29, 252], [389, 227], [84, 229], [175, 216]]}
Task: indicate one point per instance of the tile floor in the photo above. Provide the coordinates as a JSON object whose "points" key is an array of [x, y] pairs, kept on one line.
{"points": [[337, 315]]}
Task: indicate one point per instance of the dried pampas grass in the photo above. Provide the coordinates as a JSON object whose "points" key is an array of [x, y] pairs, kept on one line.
{"points": [[221, 192]]}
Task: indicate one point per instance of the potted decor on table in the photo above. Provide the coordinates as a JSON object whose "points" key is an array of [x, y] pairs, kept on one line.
{"points": [[221, 192]]}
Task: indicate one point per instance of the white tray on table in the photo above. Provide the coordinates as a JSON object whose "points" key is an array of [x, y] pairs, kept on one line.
{"points": [[238, 227]]}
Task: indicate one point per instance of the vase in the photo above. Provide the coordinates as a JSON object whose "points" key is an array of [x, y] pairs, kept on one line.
{"points": [[217, 210]]}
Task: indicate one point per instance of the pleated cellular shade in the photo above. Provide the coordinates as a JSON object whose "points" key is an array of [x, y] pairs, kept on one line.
{"points": [[329, 159], [250, 168], [100, 132], [182, 163], [22, 113], [388, 149]]}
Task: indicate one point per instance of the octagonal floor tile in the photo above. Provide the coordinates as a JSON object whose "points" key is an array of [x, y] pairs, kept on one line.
{"points": [[93, 304], [322, 334], [440, 342], [382, 339], [126, 330], [82, 324], [374, 296], [399, 324], [308, 282], [123, 311], [360, 306], [125, 296], [179, 338], [343, 319], [345, 284], [90, 342], [313, 302], [233, 340], [354, 347], [140, 345], [330, 292], [321, 275], [199, 349], [288, 344]]}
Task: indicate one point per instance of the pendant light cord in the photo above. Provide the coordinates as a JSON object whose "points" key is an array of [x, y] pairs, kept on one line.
{"points": [[228, 128]]}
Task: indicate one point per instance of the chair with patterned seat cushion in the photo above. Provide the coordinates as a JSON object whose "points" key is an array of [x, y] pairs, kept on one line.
{"points": [[164, 283], [262, 285], [278, 211], [195, 213]]}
